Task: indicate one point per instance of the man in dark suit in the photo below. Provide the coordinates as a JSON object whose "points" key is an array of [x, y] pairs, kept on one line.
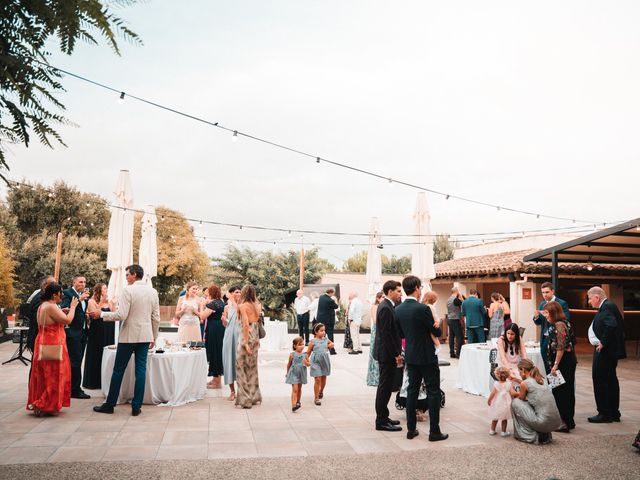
{"points": [[416, 326], [549, 295], [388, 352], [327, 313], [76, 333], [34, 303], [475, 313], [606, 334]]}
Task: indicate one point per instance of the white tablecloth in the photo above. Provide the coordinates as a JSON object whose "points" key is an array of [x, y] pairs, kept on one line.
{"points": [[173, 378], [277, 337], [474, 371]]}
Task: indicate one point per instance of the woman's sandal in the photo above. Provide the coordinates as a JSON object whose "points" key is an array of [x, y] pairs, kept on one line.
{"points": [[317, 402]]}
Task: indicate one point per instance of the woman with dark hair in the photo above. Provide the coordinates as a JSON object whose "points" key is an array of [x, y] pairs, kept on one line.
{"points": [[249, 310], [562, 357], [533, 408], [214, 334], [373, 371], [230, 340], [511, 350], [101, 334], [50, 382], [496, 315]]}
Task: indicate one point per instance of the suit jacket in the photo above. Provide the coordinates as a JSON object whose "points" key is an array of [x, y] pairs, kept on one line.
{"points": [[77, 327], [139, 310], [544, 325], [388, 343], [326, 310], [608, 325], [416, 326], [474, 312], [34, 304]]}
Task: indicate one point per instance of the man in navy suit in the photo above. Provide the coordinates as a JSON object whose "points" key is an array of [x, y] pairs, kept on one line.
{"points": [[76, 332], [549, 295], [606, 334], [327, 314], [416, 326]]}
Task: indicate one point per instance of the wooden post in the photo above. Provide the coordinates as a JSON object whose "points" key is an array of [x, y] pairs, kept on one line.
{"points": [[56, 272], [302, 268]]}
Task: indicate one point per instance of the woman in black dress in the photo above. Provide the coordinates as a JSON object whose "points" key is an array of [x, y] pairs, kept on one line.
{"points": [[214, 335], [101, 334]]}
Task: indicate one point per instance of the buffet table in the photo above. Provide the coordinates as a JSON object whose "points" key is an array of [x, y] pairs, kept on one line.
{"points": [[474, 371], [276, 338], [173, 378]]}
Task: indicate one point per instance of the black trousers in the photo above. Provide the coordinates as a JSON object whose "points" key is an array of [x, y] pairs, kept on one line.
{"points": [[455, 335], [329, 327], [76, 346], [565, 395], [606, 388], [431, 376], [303, 326], [383, 393]]}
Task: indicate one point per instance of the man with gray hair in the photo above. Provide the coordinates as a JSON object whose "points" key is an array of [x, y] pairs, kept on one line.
{"points": [[454, 322], [606, 334], [354, 316]]}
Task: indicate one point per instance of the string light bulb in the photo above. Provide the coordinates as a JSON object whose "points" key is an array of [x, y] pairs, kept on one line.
{"points": [[317, 159], [589, 264], [234, 137], [121, 99]]}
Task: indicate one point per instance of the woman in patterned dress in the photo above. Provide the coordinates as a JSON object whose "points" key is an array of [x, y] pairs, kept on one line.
{"points": [[249, 310], [373, 371]]}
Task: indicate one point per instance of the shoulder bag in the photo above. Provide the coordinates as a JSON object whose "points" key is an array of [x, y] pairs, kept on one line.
{"points": [[48, 352], [261, 331]]}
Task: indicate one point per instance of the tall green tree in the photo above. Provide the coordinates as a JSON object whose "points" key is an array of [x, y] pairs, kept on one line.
{"points": [[28, 85], [443, 248], [7, 273]]}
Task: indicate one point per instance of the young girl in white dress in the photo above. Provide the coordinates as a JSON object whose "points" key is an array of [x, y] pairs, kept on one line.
{"points": [[500, 402]]}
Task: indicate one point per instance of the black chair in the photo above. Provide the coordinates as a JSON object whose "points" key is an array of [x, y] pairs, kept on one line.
{"points": [[493, 364]]}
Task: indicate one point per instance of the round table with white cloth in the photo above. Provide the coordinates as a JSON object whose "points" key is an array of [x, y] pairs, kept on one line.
{"points": [[173, 378], [474, 371], [277, 336]]}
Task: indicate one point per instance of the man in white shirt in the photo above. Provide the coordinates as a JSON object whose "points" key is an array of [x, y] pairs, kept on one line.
{"points": [[139, 312], [302, 305], [355, 320]]}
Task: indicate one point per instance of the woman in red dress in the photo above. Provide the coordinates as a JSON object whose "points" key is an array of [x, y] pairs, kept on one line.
{"points": [[50, 382]]}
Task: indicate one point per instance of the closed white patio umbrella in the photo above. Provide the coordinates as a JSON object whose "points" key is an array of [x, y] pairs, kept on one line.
{"points": [[120, 246], [422, 258], [148, 252], [374, 261]]}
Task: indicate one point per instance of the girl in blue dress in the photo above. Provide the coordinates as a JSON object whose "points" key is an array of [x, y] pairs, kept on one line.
{"points": [[297, 372], [318, 358]]}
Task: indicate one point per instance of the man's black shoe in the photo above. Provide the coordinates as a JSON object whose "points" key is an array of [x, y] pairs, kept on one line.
{"points": [[104, 408], [599, 419], [353, 352], [393, 422], [333, 352], [81, 395], [616, 419], [136, 411], [387, 427], [436, 437], [412, 434], [453, 355]]}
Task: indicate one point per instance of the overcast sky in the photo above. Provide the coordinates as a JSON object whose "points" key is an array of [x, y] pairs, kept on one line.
{"points": [[532, 105]]}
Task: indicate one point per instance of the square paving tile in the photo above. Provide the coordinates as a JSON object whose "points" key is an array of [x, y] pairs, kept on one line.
{"points": [[78, 454], [118, 453], [329, 448], [275, 436], [41, 440], [25, 455], [177, 437], [97, 439], [231, 436], [56, 425], [183, 452], [281, 449], [232, 450], [138, 438]]}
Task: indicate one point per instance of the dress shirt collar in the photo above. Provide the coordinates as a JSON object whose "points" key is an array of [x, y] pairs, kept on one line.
{"points": [[411, 298]]}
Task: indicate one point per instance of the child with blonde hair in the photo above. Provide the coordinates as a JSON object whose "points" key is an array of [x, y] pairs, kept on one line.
{"points": [[500, 401]]}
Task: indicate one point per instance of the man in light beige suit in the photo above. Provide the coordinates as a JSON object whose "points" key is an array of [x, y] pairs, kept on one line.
{"points": [[139, 310]]}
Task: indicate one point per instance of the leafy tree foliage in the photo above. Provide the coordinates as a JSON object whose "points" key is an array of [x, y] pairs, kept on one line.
{"points": [[7, 273], [272, 274], [443, 248], [28, 84]]}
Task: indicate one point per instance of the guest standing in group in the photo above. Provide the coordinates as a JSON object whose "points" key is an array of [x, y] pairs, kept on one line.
{"points": [[187, 311], [101, 334], [373, 371], [533, 408], [548, 295], [35, 300], [511, 350], [139, 312], [214, 334], [302, 305], [388, 353], [249, 310], [313, 309], [354, 315], [454, 322], [606, 334], [417, 326], [348, 342], [77, 332], [474, 312], [429, 299], [507, 311], [230, 340], [496, 316], [50, 380], [562, 357], [327, 313]]}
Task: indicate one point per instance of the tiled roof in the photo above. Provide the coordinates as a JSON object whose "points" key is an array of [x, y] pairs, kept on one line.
{"points": [[511, 262]]}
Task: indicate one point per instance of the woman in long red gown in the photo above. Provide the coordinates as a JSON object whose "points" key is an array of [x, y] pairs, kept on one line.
{"points": [[50, 382]]}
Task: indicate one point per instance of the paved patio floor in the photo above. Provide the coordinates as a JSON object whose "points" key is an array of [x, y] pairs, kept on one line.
{"points": [[339, 429]]}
